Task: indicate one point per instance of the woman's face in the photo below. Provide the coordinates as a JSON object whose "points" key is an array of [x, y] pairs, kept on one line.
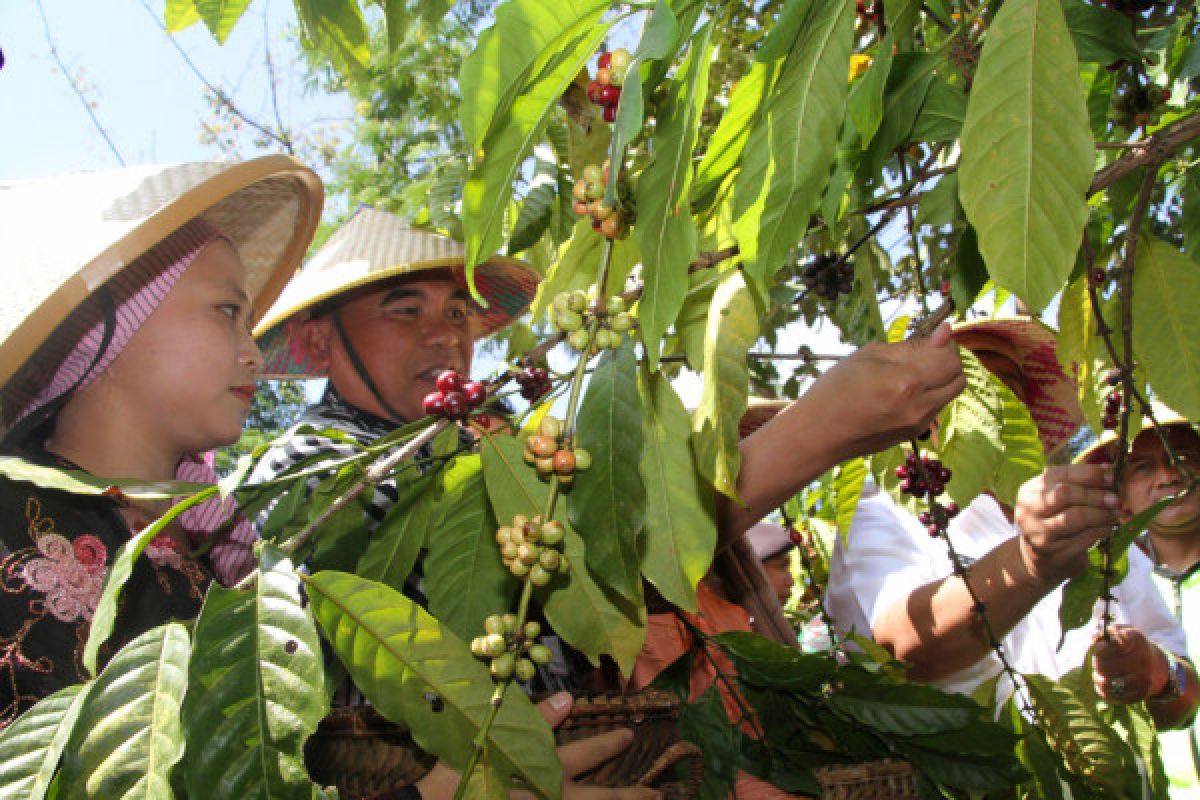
{"points": [[188, 374]]}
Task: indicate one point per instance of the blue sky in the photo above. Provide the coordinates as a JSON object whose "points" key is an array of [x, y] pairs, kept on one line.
{"points": [[145, 95]]}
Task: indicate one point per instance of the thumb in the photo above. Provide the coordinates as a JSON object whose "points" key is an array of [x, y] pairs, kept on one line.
{"points": [[554, 709], [940, 336]]}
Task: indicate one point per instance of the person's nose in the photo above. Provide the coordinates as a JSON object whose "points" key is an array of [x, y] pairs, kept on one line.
{"points": [[249, 353]]}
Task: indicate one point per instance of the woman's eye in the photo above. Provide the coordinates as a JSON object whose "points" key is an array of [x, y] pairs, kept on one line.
{"points": [[230, 309]]}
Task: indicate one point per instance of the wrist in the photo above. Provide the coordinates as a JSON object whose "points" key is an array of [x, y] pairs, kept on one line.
{"points": [[1170, 682]]}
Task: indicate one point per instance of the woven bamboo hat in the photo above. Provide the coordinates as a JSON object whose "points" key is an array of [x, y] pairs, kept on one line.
{"points": [[373, 246], [1050, 395], [1101, 452], [64, 237]]}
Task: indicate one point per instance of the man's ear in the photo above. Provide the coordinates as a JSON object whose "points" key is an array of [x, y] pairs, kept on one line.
{"points": [[316, 336]]}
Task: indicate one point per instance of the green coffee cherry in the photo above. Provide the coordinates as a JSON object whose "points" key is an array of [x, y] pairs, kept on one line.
{"points": [[578, 340], [538, 575], [510, 622], [540, 654], [583, 459], [502, 666], [494, 644], [479, 647], [550, 427], [567, 321], [494, 624], [518, 568], [553, 531], [549, 559], [564, 565], [577, 301], [525, 670], [533, 629], [614, 305], [621, 321]]}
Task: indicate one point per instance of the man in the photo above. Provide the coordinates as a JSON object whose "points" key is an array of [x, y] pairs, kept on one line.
{"points": [[1172, 541], [382, 309], [895, 583]]}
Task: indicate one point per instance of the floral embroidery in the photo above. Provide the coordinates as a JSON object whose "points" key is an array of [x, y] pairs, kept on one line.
{"points": [[70, 576]]}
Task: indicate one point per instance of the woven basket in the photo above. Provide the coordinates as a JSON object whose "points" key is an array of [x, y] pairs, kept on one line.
{"points": [[363, 755], [874, 780]]}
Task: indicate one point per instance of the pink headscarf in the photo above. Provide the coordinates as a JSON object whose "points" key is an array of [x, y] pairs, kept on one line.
{"points": [[94, 336]]}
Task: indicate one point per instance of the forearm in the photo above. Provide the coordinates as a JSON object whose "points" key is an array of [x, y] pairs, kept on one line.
{"points": [[934, 627], [779, 459]]}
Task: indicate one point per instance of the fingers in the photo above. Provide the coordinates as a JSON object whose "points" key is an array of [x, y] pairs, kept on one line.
{"points": [[578, 757], [941, 335], [554, 709]]}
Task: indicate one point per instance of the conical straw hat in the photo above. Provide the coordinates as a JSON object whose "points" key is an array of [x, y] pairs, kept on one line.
{"points": [[1050, 393], [1101, 452], [62, 238], [373, 246]]}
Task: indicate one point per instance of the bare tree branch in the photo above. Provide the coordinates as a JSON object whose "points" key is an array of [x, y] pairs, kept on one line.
{"points": [[75, 86], [284, 136], [1153, 150], [219, 93]]}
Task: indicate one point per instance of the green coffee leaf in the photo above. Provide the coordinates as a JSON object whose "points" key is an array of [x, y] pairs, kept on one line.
{"points": [[791, 148], [417, 673], [465, 578], [34, 742], [255, 689], [592, 618], [681, 529], [607, 502], [665, 230], [498, 158], [105, 615], [219, 15], [732, 327], [865, 102], [128, 735], [969, 433], [180, 14], [1166, 327], [395, 544], [1027, 151]]}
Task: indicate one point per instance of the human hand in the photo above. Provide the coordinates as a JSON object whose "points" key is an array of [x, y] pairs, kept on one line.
{"points": [[1060, 514], [885, 394], [577, 758], [1127, 667]]}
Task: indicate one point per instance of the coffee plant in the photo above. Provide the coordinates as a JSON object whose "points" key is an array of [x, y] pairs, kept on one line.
{"points": [[734, 169]]}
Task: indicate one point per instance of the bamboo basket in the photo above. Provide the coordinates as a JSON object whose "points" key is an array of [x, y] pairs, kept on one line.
{"points": [[364, 755], [874, 780]]}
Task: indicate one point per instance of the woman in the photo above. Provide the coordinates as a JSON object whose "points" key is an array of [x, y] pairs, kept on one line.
{"points": [[127, 353]]}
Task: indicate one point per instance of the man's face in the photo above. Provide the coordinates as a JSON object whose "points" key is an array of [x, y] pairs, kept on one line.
{"points": [[405, 333], [1148, 477]]}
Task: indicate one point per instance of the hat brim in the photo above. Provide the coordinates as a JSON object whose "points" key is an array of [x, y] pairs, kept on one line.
{"points": [[1051, 395], [507, 285], [269, 207], [1100, 452]]}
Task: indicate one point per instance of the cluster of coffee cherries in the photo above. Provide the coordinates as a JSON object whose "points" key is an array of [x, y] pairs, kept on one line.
{"points": [[534, 383], [828, 276], [605, 89], [1112, 409], [1138, 106], [454, 397], [573, 315], [511, 652], [549, 453], [610, 221], [532, 548], [922, 475]]}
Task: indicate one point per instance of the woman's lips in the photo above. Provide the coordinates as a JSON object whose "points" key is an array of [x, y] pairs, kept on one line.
{"points": [[244, 393]]}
